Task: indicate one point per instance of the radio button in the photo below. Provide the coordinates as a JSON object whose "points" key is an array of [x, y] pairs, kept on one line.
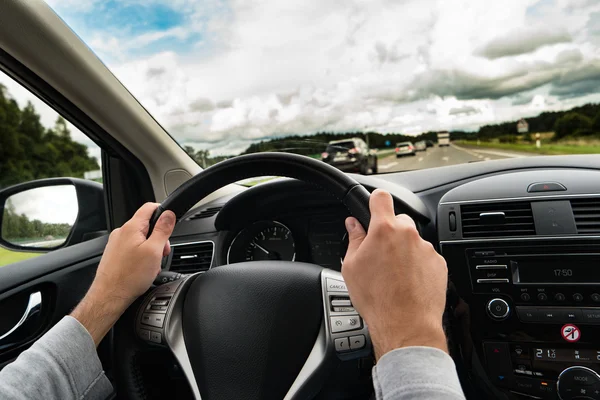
{"points": [[578, 297], [489, 280], [591, 315], [491, 273], [549, 315], [528, 314], [595, 297], [559, 297], [485, 253], [525, 296], [542, 296], [570, 315], [498, 309]]}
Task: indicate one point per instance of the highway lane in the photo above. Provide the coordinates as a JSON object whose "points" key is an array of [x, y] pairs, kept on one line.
{"points": [[441, 156]]}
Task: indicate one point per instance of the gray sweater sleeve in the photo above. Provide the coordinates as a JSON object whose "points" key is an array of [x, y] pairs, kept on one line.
{"points": [[62, 364], [416, 373]]}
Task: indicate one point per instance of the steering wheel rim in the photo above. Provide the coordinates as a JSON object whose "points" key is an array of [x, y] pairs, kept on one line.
{"points": [[347, 190], [319, 282]]}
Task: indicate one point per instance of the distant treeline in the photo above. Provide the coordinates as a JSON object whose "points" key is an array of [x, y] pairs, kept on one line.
{"points": [[18, 227], [30, 151]]}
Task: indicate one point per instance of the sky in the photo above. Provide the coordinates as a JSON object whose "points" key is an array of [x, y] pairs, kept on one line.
{"points": [[221, 74], [51, 204]]}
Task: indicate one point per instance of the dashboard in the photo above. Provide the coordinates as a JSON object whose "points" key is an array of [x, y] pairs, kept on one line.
{"points": [[521, 239]]}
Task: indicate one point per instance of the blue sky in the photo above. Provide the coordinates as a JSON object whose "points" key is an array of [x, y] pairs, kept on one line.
{"points": [[221, 74]]}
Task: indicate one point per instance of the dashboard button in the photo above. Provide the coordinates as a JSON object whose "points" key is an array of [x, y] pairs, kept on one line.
{"points": [[542, 296], [578, 297], [591, 315], [525, 296], [595, 297], [452, 221], [549, 315], [528, 314], [484, 253], [570, 315], [559, 297], [498, 309], [546, 187]]}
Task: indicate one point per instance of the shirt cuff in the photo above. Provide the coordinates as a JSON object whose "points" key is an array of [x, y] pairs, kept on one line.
{"points": [[416, 372], [75, 351]]}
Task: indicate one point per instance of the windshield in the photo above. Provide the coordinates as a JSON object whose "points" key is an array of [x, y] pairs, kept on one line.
{"points": [[475, 80]]}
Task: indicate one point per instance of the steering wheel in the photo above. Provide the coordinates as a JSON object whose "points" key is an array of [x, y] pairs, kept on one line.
{"points": [[251, 330]]}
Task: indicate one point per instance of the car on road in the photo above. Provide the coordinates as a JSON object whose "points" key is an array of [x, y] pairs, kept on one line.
{"points": [[421, 146], [351, 155], [430, 143], [443, 139], [405, 149]]}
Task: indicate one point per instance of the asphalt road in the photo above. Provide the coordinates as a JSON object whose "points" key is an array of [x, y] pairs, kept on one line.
{"points": [[441, 156]]}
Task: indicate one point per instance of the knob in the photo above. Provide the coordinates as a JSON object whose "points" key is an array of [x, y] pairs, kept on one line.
{"points": [[498, 309], [578, 383]]}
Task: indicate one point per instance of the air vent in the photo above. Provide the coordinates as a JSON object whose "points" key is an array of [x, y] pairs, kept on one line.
{"points": [[209, 212], [497, 219], [587, 215], [192, 257]]}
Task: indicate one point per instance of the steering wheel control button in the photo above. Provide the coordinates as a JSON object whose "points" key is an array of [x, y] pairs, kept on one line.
{"points": [[542, 296], [144, 334], [336, 286], [498, 309], [546, 187], [525, 296], [357, 342], [341, 303], [342, 344], [155, 337], [156, 320], [578, 297], [345, 323]]}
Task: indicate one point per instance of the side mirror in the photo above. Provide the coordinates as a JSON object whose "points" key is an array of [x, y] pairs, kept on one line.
{"points": [[48, 214]]}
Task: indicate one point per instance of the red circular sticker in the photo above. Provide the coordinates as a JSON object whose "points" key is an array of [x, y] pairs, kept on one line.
{"points": [[570, 333]]}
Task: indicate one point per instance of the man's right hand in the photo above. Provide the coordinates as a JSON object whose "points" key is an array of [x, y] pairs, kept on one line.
{"points": [[396, 280]]}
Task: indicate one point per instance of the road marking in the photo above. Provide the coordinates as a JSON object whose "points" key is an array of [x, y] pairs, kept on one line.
{"points": [[390, 165], [420, 159], [478, 152]]}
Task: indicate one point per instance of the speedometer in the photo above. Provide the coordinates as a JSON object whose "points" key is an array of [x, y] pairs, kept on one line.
{"points": [[265, 240]]}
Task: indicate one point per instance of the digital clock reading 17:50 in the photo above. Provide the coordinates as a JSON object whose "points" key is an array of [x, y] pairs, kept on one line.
{"points": [[563, 272]]}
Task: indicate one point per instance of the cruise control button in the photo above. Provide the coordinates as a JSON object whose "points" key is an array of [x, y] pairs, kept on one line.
{"points": [[341, 303], [357, 342], [345, 323], [342, 344], [334, 285], [156, 320], [343, 309]]}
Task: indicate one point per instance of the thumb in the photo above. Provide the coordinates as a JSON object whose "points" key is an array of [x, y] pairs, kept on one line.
{"points": [[356, 235], [163, 229]]}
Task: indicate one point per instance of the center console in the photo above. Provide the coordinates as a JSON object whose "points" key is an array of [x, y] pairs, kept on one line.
{"points": [[523, 253]]}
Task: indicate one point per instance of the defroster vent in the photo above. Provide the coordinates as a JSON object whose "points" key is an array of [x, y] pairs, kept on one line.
{"points": [[192, 257], [497, 219], [587, 215]]}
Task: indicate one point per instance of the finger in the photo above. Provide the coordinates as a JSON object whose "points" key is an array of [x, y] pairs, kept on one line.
{"points": [[406, 220], [167, 249], [144, 212], [356, 235], [381, 205], [162, 230]]}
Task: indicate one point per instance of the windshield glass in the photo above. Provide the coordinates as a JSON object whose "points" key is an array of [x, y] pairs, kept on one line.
{"points": [[475, 80]]}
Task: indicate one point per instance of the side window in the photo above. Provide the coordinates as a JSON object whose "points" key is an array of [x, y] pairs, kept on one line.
{"points": [[37, 214]]}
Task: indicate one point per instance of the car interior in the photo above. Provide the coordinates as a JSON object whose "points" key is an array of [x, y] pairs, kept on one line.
{"points": [[234, 316]]}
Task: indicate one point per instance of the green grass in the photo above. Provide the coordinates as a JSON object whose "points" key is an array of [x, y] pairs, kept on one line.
{"points": [[9, 256], [546, 149]]}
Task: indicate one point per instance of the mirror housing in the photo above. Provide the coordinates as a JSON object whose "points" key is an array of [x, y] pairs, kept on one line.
{"points": [[90, 221]]}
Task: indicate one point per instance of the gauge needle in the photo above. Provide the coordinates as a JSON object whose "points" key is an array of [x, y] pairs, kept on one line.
{"points": [[262, 248]]}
